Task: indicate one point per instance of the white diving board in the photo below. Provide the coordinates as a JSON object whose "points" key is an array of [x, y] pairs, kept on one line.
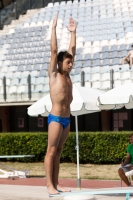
{"points": [[18, 156], [103, 191], [12, 172]]}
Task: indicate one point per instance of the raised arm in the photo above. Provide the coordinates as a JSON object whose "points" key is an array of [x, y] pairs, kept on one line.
{"points": [[72, 28], [127, 160], [54, 49]]}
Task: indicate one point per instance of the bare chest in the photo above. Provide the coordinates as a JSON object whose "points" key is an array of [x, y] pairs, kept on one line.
{"points": [[61, 86], [131, 53]]}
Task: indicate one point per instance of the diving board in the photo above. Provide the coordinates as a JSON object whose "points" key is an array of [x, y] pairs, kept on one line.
{"points": [[18, 156], [13, 173], [103, 191]]}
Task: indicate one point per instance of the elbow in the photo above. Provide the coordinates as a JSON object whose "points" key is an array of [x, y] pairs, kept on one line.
{"points": [[74, 55], [54, 50]]}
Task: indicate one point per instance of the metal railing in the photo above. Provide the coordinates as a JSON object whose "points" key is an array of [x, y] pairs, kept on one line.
{"points": [[29, 92]]}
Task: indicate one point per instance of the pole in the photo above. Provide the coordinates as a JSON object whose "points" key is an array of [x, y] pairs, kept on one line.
{"points": [[29, 86], [111, 79], [30, 4], [4, 88], [0, 22], [77, 148], [82, 79], [15, 7]]}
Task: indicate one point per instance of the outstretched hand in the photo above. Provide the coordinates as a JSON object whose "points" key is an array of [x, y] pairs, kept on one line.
{"points": [[72, 25], [55, 21]]}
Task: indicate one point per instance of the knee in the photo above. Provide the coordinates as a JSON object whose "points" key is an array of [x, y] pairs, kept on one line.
{"points": [[52, 151], [124, 59], [120, 171], [59, 150]]}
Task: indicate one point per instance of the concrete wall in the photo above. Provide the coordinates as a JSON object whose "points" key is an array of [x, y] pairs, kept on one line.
{"points": [[5, 119], [105, 120]]}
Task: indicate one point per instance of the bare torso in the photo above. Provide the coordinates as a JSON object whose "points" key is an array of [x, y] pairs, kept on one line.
{"points": [[61, 94], [131, 54]]}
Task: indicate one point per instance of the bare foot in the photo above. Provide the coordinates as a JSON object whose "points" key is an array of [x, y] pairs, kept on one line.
{"points": [[52, 190], [62, 189]]}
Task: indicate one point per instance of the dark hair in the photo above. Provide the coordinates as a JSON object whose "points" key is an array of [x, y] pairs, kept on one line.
{"points": [[132, 45], [131, 135], [63, 55]]}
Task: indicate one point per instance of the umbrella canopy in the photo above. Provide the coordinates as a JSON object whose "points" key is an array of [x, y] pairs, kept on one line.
{"points": [[117, 98], [84, 101], [41, 107]]}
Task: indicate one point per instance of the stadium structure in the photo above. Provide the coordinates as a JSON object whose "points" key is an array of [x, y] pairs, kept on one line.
{"points": [[104, 37]]}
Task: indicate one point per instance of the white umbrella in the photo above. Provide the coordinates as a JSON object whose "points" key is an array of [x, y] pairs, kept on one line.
{"points": [[84, 101], [117, 98]]}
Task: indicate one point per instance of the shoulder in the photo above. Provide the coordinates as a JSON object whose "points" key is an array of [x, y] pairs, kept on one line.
{"points": [[52, 75], [130, 146]]}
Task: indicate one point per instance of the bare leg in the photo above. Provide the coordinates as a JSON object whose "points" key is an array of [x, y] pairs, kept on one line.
{"points": [[123, 60], [54, 134], [123, 177], [131, 62], [57, 160]]}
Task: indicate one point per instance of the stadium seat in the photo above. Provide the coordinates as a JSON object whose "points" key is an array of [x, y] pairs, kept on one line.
{"points": [[113, 48], [105, 69], [122, 47], [104, 37], [123, 53], [105, 76], [87, 81], [96, 63], [96, 85], [125, 68], [78, 58], [77, 79], [44, 66], [87, 63], [104, 49], [77, 71], [43, 73], [87, 56], [77, 64], [15, 82], [117, 83], [104, 55], [116, 75], [115, 61], [105, 85], [23, 81], [126, 82], [46, 88], [95, 56], [94, 77], [105, 62], [125, 75], [113, 55]]}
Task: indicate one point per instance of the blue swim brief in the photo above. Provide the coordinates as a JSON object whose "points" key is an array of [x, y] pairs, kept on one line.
{"points": [[64, 121]]}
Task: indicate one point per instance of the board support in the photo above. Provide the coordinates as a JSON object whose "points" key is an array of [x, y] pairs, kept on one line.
{"points": [[78, 184]]}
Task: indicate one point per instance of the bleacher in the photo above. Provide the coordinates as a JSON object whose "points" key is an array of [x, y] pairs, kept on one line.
{"points": [[104, 36]]}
